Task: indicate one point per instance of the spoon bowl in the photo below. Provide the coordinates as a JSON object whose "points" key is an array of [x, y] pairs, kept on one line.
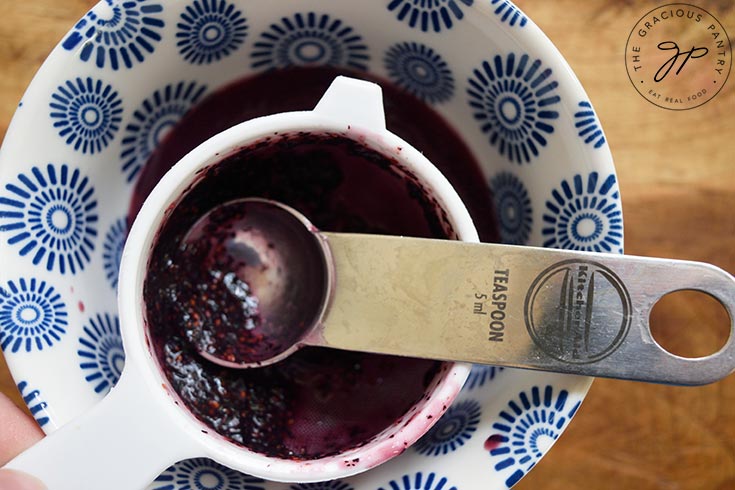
{"points": [[267, 278]]}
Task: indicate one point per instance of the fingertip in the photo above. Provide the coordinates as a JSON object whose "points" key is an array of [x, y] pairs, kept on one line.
{"points": [[17, 480], [18, 431]]}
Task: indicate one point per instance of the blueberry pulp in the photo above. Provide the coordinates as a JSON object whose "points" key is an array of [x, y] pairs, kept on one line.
{"points": [[257, 278], [317, 402]]}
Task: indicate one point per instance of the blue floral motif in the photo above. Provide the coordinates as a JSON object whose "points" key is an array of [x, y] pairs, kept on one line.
{"points": [[513, 205], [86, 113], [479, 375], [52, 216], [35, 404], [513, 100], [452, 430], [323, 485], [420, 481], [32, 316], [101, 355], [526, 429], [588, 125], [117, 33], [432, 15], [585, 214], [204, 474], [507, 12], [310, 39], [420, 70], [112, 249], [210, 30], [151, 121]]}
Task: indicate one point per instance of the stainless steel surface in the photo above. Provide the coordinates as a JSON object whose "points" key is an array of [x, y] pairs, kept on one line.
{"points": [[555, 310]]}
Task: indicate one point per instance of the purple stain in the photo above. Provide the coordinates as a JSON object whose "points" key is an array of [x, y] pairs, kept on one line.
{"points": [[494, 442]]}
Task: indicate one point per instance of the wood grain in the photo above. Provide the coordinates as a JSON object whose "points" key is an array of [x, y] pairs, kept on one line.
{"points": [[676, 176]]}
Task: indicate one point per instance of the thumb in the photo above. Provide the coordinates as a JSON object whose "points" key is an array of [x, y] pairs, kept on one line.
{"points": [[18, 431], [17, 480]]}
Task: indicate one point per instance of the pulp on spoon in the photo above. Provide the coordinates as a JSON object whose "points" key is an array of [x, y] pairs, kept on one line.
{"points": [[262, 282]]}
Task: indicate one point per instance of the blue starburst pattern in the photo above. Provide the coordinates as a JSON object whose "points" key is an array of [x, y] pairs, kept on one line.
{"points": [[35, 404], [310, 39], [480, 375], [420, 481], [526, 429], [101, 355], [210, 30], [32, 316], [86, 113], [52, 217], [585, 214], [454, 428], [507, 12], [204, 474], [322, 485], [420, 70], [513, 99], [153, 120], [513, 205], [117, 33], [588, 126], [434, 15], [112, 249]]}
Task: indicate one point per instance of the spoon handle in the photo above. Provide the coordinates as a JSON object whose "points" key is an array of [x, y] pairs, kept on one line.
{"points": [[553, 310], [122, 443]]}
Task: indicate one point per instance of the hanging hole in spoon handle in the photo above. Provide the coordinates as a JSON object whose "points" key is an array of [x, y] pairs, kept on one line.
{"points": [[690, 323], [635, 354]]}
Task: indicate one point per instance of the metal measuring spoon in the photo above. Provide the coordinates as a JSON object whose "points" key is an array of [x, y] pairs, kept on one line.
{"points": [[553, 310]]}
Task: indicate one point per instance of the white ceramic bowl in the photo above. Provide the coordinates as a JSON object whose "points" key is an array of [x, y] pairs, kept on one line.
{"points": [[129, 70]]}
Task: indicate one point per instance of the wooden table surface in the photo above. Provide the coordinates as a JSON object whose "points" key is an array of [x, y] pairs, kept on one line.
{"points": [[676, 174]]}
